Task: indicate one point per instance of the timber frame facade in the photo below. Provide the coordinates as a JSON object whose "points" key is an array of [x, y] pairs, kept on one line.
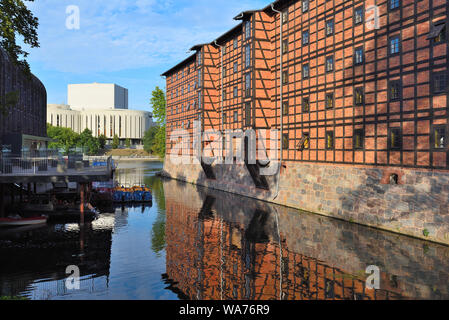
{"points": [[344, 92]]}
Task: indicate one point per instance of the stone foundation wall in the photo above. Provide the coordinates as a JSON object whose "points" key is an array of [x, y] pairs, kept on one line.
{"points": [[417, 205]]}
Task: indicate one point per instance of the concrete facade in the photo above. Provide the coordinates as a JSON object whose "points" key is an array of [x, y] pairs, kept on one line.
{"points": [[105, 113], [87, 96]]}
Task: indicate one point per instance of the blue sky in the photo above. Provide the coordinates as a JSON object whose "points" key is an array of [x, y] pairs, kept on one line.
{"points": [[126, 42]]}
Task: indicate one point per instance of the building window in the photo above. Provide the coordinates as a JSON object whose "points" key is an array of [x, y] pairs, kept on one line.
{"points": [[198, 58], [248, 84], [329, 64], [330, 27], [236, 43], [199, 79], [236, 66], [305, 37], [395, 90], [394, 4], [248, 114], [285, 108], [305, 5], [358, 15], [224, 49], [305, 141], [358, 55], [247, 30], [305, 71], [224, 118], [236, 116], [395, 139], [437, 32], [305, 105], [247, 55], [285, 77], [235, 92], [223, 93], [285, 144], [285, 46], [439, 82], [358, 138], [439, 137], [285, 17], [358, 96], [329, 140], [199, 100], [329, 100], [395, 45], [224, 72]]}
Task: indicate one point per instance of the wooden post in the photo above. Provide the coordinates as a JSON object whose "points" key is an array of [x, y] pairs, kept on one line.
{"points": [[82, 195], [21, 193], [29, 191], [2, 201], [11, 189]]}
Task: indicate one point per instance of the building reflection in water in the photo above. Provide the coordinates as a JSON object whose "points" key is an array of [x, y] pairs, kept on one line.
{"points": [[223, 246], [39, 258]]}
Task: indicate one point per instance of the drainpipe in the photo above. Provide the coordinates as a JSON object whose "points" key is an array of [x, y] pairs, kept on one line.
{"points": [[281, 89], [221, 98]]}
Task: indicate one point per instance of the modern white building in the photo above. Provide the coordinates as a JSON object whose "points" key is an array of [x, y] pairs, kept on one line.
{"points": [[98, 96], [103, 109]]}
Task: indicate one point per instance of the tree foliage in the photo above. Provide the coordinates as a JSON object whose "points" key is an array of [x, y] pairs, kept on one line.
{"points": [[66, 139], [154, 140], [115, 142], [159, 104], [17, 20]]}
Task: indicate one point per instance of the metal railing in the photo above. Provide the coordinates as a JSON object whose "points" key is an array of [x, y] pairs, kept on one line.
{"points": [[53, 164]]}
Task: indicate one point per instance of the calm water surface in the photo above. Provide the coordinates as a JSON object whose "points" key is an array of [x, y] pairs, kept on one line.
{"points": [[195, 243]]}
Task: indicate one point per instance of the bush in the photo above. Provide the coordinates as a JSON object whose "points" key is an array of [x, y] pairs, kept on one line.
{"points": [[115, 142]]}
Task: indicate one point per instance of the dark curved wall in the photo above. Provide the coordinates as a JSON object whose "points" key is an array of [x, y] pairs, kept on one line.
{"points": [[29, 116]]}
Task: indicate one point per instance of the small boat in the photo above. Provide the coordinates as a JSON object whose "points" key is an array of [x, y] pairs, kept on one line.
{"points": [[13, 221]]}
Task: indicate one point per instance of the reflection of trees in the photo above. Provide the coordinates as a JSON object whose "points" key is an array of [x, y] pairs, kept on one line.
{"points": [[158, 230]]}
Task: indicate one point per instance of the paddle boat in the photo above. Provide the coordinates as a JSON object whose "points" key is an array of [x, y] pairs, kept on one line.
{"points": [[132, 194]]}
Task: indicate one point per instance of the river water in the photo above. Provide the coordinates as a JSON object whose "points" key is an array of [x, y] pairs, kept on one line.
{"points": [[195, 243]]}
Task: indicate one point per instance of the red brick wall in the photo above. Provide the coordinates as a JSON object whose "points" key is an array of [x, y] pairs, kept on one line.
{"points": [[415, 114]]}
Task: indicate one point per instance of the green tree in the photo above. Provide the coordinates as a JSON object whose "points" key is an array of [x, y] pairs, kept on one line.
{"points": [[159, 143], [149, 139], [17, 20], [102, 141], [159, 105], [155, 138], [89, 143], [115, 142], [64, 138], [127, 143]]}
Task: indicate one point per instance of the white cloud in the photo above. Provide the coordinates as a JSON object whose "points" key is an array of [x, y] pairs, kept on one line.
{"points": [[121, 34]]}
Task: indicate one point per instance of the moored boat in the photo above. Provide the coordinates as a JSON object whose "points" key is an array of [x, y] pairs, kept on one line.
{"points": [[13, 221]]}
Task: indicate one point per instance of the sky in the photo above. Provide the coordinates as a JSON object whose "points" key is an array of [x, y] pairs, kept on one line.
{"points": [[127, 42]]}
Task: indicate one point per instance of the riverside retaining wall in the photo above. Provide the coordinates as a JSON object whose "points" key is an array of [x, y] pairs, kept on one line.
{"points": [[416, 206]]}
